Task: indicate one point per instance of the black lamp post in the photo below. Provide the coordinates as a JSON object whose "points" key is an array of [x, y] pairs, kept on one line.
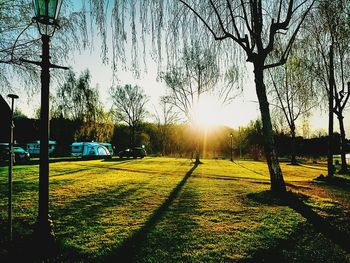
{"points": [[231, 137], [12, 97], [46, 17], [240, 142]]}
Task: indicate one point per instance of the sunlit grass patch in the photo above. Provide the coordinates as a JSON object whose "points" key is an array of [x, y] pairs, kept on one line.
{"points": [[218, 212], [212, 219], [118, 201]]}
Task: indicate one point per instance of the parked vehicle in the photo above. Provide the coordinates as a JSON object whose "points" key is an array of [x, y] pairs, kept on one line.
{"points": [[20, 155], [94, 150], [136, 152], [77, 149], [34, 147]]}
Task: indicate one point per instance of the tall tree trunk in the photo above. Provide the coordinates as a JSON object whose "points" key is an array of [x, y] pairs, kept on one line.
{"points": [[132, 136], [277, 182], [344, 167], [197, 157], [164, 143], [330, 118], [293, 146]]}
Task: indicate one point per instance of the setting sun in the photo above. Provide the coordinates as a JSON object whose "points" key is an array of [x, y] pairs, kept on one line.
{"points": [[210, 111]]}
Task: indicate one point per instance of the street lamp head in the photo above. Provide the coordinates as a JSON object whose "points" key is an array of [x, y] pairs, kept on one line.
{"points": [[46, 15], [13, 96], [231, 135]]}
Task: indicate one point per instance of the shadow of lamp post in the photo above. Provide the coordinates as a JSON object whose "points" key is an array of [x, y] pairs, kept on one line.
{"points": [[12, 97], [46, 18]]}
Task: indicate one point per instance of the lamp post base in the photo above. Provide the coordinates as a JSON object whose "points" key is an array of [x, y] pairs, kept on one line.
{"points": [[44, 238]]}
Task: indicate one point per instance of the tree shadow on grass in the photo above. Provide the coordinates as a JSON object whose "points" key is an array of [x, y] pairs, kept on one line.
{"points": [[88, 210], [296, 202], [72, 171], [21, 187], [83, 213], [121, 160], [321, 168], [336, 181], [125, 252]]}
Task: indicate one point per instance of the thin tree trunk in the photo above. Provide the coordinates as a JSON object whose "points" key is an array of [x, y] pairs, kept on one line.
{"points": [[198, 161], [276, 177], [164, 144], [197, 143], [293, 146], [330, 119], [132, 136], [197, 157], [344, 167]]}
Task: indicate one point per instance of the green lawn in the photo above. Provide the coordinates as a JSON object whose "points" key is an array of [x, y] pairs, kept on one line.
{"points": [[168, 210]]}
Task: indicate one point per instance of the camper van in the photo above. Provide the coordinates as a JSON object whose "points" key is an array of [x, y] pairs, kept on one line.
{"points": [[77, 149], [82, 149], [34, 147]]}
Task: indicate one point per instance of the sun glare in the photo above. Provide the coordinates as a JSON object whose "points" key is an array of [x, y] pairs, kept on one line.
{"points": [[209, 111]]}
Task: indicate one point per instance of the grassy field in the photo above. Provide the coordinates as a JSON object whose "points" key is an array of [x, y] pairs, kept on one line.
{"points": [[169, 210]]}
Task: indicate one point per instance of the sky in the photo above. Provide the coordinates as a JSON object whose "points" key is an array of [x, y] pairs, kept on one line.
{"points": [[239, 112]]}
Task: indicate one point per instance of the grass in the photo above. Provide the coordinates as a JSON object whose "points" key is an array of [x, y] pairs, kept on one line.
{"points": [[167, 210]]}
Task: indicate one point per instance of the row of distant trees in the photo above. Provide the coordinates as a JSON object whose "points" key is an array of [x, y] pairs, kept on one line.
{"points": [[177, 141]]}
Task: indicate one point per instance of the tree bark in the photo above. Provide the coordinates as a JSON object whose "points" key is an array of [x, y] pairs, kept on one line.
{"points": [[198, 148], [132, 136], [198, 161], [344, 167], [293, 146], [330, 118], [276, 177]]}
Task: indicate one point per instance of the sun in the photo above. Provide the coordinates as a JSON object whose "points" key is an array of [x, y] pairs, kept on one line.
{"points": [[209, 111]]}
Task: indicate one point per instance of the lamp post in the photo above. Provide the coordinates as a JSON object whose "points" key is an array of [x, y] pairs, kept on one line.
{"points": [[231, 137], [240, 142], [12, 97], [46, 18]]}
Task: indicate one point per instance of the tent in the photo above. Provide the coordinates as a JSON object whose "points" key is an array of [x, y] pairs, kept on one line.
{"points": [[94, 150]]}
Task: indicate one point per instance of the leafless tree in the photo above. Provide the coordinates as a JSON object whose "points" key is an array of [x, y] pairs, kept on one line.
{"points": [[294, 93], [196, 75], [255, 26], [129, 106], [166, 116], [328, 48]]}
